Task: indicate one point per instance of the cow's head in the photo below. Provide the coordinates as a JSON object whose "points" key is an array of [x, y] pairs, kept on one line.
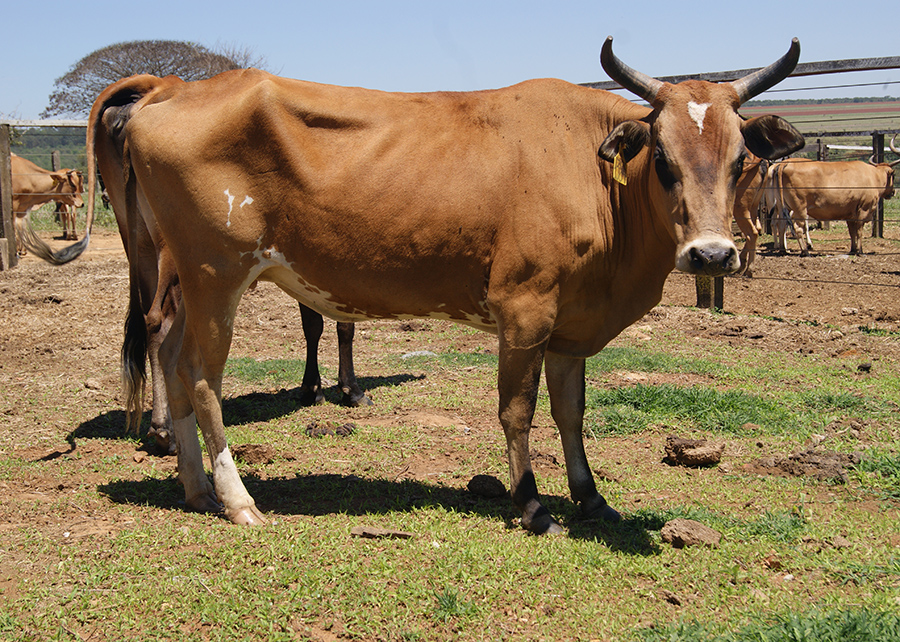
{"points": [[68, 184], [698, 144], [889, 181]]}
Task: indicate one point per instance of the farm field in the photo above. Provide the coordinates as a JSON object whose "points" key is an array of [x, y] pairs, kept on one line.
{"points": [[805, 357], [823, 120]]}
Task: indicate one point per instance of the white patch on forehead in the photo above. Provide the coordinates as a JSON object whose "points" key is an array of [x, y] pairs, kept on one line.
{"points": [[697, 112], [247, 200]]}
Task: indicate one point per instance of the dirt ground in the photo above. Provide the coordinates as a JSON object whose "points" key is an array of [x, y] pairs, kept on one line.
{"points": [[62, 327]]}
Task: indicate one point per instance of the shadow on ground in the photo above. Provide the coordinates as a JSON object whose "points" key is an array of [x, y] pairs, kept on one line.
{"points": [[325, 494]]}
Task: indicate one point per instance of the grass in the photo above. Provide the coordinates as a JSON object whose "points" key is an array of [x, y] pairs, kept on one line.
{"points": [[43, 219], [103, 550], [835, 626]]}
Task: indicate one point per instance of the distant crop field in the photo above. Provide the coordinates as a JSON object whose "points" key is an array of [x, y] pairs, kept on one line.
{"points": [[826, 119]]}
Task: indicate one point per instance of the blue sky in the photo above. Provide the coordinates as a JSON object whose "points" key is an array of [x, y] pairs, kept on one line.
{"points": [[456, 44]]}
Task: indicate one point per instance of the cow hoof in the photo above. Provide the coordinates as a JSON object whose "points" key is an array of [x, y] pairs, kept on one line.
{"points": [[204, 503], [607, 514], [164, 440], [554, 529], [599, 509], [310, 397], [353, 401], [543, 524], [248, 516]]}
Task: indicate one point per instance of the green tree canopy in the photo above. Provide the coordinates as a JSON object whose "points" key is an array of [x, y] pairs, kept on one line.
{"points": [[75, 92]]}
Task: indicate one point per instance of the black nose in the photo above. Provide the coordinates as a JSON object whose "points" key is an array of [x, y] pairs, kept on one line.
{"points": [[713, 260]]}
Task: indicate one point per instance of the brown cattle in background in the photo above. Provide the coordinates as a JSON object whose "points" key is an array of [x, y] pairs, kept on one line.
{"points": [[32, 186], [834, 191]]}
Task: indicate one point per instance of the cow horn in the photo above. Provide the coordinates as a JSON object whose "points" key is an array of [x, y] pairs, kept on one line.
{"points": [[641, 84], [763, 79], [895, 150]]}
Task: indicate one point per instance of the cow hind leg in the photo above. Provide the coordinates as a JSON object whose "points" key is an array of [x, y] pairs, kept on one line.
{"points": [[748, 252], [199, 494], [194, 362], [565, 383]]}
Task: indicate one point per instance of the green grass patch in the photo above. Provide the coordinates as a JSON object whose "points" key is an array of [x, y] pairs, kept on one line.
{"points": [[838, 626], [633, 359], [627, 410], [269, 371], [879, 472], [631, 409], [771, 526]]}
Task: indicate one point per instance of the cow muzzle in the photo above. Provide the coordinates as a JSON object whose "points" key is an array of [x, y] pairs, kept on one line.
{"points": [[712, 256]]}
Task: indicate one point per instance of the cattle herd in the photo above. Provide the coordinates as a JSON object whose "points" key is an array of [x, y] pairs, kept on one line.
{"points": [[547, 213]]}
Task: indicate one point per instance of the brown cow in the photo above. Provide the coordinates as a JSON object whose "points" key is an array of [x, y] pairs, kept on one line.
{"points": [[32, 186], [749, 192], [489, 208], [834, 191]]}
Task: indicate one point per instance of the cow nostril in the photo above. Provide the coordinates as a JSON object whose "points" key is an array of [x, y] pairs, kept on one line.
{"points": [[713, 260], [698, 261]]}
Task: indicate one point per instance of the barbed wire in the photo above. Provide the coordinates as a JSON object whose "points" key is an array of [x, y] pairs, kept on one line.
{"points": [[859, 84], [756, 277]]}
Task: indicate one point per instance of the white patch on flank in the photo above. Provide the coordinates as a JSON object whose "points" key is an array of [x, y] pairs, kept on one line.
{"points": [[230, 207], [247, 201], [698, 113]]}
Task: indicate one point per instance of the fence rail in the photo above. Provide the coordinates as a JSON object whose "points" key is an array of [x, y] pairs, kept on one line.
{"points": [[9, 259]]}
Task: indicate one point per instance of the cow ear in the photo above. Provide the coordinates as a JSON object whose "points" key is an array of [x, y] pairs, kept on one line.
{"points": [[58, 178], [771, 137], [630, 136]]}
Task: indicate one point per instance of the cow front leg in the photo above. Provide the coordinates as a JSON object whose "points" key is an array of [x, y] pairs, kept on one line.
{"points": [[311, 387], [518, 379], [353, 394], [565, 383], [855, 229]]}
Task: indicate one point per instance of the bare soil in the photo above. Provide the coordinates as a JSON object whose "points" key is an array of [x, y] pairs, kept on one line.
{"points": [[62, 327]]}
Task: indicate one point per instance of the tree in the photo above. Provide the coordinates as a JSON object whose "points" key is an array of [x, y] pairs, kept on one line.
{"points": [[75, 92]]}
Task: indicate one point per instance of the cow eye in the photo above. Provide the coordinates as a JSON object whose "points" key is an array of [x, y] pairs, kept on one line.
{"points": [[663, 171]]}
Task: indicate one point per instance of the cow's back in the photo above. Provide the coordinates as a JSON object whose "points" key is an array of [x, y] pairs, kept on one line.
{"points": [[411, 189]]}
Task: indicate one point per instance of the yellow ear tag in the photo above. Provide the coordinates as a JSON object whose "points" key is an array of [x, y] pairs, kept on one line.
{"points": [[619, 169]]}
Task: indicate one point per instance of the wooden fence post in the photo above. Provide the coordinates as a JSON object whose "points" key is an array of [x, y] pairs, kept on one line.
{"points": [[710, 291], [822, 155], [878, 157], [7, 230]]}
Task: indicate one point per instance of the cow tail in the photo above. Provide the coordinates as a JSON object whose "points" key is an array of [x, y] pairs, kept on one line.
{"points": [[134, 346], [37, 246]]}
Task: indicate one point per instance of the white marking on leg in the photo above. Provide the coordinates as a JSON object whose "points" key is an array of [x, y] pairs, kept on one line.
{"points": [[697, 112], [230, 207], [229, 487]]}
